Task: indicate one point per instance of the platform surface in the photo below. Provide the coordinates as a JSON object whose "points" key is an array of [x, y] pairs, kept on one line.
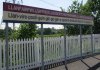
{"points": [[79, 65]]}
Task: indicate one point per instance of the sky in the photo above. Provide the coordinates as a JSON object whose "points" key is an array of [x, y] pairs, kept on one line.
{"points": [[47, 4]]}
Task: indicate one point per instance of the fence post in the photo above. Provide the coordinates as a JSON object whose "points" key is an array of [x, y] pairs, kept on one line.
{"points": [[81, 41], [42, 47], [91, 39], [0, 56], [6, 47], [65, 47]]}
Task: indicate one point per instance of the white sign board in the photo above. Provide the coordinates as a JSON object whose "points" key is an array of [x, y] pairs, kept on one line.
{"points": [[22, 14]]}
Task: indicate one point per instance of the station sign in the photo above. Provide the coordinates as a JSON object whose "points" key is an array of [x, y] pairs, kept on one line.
{"points": [[15, 13]]}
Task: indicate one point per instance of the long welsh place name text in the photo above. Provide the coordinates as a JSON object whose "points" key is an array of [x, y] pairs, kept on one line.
{"points": [[42, 18]]}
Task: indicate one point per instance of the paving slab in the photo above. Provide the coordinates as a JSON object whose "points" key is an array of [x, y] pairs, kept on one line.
{"points": [[91, 61], [97, 56], [98, 68], [79, 65]]}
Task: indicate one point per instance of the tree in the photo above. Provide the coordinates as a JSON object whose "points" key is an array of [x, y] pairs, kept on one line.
{"points": [[2, 32], [75, 7], [46, 31], [92, 7], [95, 8], [26, 30], [86, 10], [78, 8], [60, 32]]}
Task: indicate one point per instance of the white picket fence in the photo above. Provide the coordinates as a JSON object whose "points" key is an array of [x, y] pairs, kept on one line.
{"points": [[26, 53]]}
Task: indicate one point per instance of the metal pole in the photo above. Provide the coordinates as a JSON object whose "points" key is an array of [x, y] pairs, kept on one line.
{"points": [[42, 47], [91, 39], [65, 47], [6, 47], [81, 41], [14, 23]]}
